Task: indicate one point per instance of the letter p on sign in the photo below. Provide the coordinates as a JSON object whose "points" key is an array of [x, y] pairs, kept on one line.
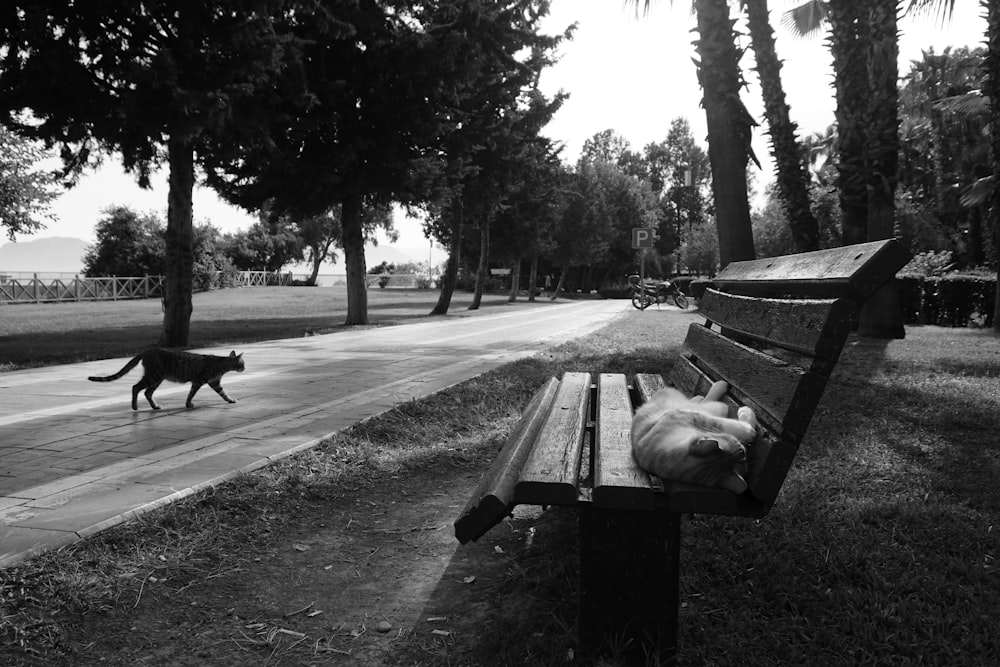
{"points": [[642, 237]]}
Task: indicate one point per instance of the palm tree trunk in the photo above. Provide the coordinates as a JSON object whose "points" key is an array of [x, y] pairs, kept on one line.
{"points": [[179, 279], [792, 176], [883, 118], [849, 45], [354, 260], [991, 88], [729, 130], [882, 315]]}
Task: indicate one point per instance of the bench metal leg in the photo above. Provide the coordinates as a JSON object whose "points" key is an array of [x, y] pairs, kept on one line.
{"points": [[629, 567]]}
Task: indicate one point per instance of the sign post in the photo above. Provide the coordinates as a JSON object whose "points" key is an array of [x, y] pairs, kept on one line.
{"points": [[642, 238]]}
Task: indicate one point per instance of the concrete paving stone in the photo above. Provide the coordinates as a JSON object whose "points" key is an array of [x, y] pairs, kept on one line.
{"points": [[80, 508], [193, 472], [88, 462], [17, 543], [25, 478], [61, 485]]}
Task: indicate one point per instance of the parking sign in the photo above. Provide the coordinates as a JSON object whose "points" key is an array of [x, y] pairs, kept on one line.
{"points": [[642, 237]]}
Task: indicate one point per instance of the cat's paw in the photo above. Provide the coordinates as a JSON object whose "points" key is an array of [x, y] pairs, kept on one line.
{"points": [[734, 483], [747, 416], [230, 400]]}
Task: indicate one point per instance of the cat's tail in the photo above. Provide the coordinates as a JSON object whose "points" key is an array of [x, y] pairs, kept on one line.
{"points": [[129, 366]]}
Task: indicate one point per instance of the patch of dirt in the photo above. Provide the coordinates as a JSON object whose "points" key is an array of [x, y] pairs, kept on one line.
{"points": [[365, 576]]}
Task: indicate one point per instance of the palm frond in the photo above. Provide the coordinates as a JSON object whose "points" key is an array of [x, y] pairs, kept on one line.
{"points": [[807, 18], [972, 103], [944, 8], [978, 193]]}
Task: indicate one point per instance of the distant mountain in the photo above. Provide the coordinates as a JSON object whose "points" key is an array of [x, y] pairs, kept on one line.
{"points": [[57, 254]]}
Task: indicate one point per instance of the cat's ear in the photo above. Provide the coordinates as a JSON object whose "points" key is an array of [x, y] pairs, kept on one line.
{"points": [[232, 355], [705, 447]]}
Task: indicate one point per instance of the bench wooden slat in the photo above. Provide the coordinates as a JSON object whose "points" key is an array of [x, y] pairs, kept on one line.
{"points": [[787, 394], [856, 271], [619, 482], [551, 473], [493, 498], [816, 328]]}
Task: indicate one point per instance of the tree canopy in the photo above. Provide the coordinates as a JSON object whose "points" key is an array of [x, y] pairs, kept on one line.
{"points": [[25, 190]]}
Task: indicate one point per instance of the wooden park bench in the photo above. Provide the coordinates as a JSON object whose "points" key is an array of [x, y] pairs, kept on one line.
{"points": [[773, 331]]}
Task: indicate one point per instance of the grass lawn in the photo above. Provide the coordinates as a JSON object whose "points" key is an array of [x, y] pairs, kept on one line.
{"points": [[52, 333], [881, 549]]}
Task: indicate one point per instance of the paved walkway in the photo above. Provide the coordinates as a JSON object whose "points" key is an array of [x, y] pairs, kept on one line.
{"points": [[75, 459]]}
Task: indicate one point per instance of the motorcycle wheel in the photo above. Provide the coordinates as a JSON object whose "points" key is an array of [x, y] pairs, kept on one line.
{"points": [[681, 301], [641, 302]]}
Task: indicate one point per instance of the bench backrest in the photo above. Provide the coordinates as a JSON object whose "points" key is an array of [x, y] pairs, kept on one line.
{"points": [[774, 330]]}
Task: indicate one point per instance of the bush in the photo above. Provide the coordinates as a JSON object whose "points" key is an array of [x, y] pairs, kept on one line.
{"points": [[951, 300]]}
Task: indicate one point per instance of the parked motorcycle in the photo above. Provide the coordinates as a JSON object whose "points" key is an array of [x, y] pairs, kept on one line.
{"points": [[646, 294]]}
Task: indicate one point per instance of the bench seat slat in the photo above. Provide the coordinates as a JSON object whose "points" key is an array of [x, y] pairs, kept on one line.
{"points": [[816, 327], [619, 482], [493, 498], [551, 473]]}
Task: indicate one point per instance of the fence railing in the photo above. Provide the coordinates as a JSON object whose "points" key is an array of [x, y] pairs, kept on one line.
{"points": [[39, 289]]}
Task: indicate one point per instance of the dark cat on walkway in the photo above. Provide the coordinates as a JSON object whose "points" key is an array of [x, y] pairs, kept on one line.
{"points": [[161, 364]]}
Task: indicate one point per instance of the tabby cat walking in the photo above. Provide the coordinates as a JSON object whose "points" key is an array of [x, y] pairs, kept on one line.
{"points": [[161, 364]]}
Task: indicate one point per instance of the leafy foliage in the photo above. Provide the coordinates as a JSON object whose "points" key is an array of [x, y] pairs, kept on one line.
{"points": [[24, 192]]}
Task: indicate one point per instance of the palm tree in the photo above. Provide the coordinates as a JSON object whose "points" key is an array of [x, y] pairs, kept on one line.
{"points": [[729, 127], [792, 176], [863, 42], [991, 88]]}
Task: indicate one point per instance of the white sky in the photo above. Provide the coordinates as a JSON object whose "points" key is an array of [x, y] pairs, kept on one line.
{"points": [[631, 74]]}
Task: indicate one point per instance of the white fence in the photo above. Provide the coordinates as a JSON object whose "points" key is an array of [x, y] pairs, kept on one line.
{"points": [[42, 287]]}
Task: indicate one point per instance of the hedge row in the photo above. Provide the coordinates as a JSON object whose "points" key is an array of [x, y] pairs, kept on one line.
{"points": [[948, 301]]}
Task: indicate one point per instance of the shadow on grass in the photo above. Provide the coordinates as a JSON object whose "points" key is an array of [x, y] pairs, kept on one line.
{"points": [[508, 599]]}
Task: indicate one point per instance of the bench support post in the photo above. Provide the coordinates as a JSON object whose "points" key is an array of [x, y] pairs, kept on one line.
{"points": [[629, 570]]}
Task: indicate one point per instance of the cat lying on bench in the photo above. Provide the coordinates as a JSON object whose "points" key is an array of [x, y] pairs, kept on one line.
{"points": [[694, 440]]}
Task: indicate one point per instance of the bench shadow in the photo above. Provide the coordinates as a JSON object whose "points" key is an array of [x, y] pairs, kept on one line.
{"points": [[951, 444], [510, 598]]}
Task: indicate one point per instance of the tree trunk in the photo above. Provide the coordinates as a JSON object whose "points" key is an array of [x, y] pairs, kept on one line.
{"points": [[882, 315], [792, 176], [354, 260], [849, 47], [450, 276], [533, 278], [484, 262], [515, 280], [179, 279], [991, 88], [560, 284], [729, 131], [316, 261]]}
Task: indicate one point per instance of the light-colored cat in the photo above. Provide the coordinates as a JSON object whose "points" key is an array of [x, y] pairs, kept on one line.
{"points": [[694, 440]]}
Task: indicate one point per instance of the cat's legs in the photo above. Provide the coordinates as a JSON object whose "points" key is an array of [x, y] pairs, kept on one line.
{"points": [[217, 386], [150, 387], [747, 416], [195, 386]]}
